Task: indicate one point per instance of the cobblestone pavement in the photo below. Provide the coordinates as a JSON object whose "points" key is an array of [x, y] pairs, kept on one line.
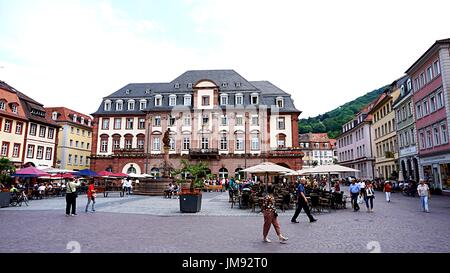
{"points": [[154, 224]]}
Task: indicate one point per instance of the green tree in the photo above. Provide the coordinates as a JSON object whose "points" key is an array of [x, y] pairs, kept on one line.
{"points": [[6, 170], [198, 171]]}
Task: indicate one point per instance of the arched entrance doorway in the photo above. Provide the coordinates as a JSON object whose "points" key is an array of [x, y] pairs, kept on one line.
{"points": [[238, 174], [223, 173], [409, 168]]}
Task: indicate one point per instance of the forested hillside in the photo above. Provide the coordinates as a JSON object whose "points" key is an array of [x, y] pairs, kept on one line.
{"points": [[331, 122]]}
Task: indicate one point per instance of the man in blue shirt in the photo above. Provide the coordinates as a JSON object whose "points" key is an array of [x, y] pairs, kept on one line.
{"points": [[302, 202], [354, 191]]}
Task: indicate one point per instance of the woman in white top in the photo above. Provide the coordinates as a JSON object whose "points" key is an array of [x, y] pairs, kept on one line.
{"points": [[370, 195]]}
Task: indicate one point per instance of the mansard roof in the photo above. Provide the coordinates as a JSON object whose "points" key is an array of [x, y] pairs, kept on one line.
{"points": [[227, 81]]}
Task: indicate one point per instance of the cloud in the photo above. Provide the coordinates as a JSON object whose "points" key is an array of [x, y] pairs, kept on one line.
{"points": [[324, 52]]}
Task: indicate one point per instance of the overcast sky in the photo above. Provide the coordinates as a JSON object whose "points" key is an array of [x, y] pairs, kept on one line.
{"points": [[323, 52]]}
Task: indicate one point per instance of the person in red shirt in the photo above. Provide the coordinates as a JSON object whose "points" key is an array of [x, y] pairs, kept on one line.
{"points": [[91, 195], [387, 189]]}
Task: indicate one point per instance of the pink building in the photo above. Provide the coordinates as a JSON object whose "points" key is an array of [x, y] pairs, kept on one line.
{"points": [[430, 75]]}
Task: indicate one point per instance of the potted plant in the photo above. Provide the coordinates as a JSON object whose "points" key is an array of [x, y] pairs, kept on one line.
{"points": [[191, 198]]}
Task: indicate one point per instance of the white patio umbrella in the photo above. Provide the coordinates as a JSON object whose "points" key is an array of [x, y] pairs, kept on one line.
{"points": [[268, 168], [329, 169], [55, 170]]}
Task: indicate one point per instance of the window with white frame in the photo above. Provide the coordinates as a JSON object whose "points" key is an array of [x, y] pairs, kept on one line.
{"points": [[70, 159], [42, 131], [418, 110], [51, 132], [255, 141], [129, 123], [104, 145], [156, 144], [429, 139], [255, 120], [158, 100], [16, 150], [187, 120], [432, 104], [205, 120], [239, 99], [142, 104], [172, 120], [410, 109], [5, 149], [14, 108], [141, 124], [409, 84], [429, 73], [223, 99], [425, 107], [422, 79], [172, 144], [224, 120], [75, 160], [281, 123], [205, 101], [223, 142], [187, 100], [437, 67], [131, 105], [116, 143], [107, 105], [205, 143], [254, 98], [440, 100], [117, 123], [40, 152], [157, 121], [280, 102], [444, 136], [2, 105], [436, 136], [239, 142], [172, 100], [140, 144], [128, 143], [81, 160], [186, 143], [119, 105], [239, 121]]}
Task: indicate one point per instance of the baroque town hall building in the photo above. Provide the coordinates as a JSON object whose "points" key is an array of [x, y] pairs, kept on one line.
{"points": [[215, 116]]}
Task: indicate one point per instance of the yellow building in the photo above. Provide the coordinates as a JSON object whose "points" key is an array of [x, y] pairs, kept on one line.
{"points": [[75, 138], [384, 144]]}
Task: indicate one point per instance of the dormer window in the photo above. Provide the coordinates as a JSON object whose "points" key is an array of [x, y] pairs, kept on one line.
{"points": [[128, 91], [2, 104], [55, 115], [254, 98], [402, 90], [172, 100], [89, 122], [187, 100], [189, 85], [107, 106], [238, 84], [224, 84], [74, 118], [409, 85], [14, 108], [142, 104], [82, 120], [239, 99], [130, 105], [223, 99], [280, 102], [148, 91], [177, 85], [119, 105], [158, 100]]}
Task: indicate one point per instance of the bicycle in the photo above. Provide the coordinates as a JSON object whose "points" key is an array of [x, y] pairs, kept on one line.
{"points": [[18, 199]]}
